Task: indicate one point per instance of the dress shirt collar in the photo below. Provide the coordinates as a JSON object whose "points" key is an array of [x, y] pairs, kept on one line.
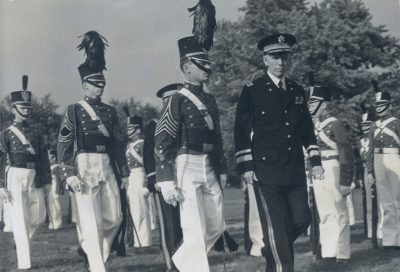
{"points": [[276, 80]]}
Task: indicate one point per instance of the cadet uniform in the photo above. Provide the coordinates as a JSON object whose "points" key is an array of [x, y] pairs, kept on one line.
{"points": [[188, 137], [53, 198], [337, 159], [137, 191], [91, 128], [170, 230], [384, 162], [22, 144], [277, 116]]}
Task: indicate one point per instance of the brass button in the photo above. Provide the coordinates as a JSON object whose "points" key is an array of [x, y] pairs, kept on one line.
{"points": [[189, 108], [263, 112], [191, 124], [287, 124], [162, 166], [190, 116], [289, 136], [263, 158], [285, 111], [289, 148]]}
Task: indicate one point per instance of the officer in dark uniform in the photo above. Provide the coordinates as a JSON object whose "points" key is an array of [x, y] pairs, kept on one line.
{"points": [[22, 146], [332, 193], [99, 166], [170, 230], [188, 139], [272, 126]]}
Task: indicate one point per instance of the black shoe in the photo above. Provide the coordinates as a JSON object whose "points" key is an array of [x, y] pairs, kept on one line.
{"points": [[83, 255], [343, 261]]}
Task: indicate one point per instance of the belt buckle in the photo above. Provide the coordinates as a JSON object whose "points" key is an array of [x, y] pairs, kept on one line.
{"points": [[30, 165], [101, 148], [381, 150], [207, 148]]}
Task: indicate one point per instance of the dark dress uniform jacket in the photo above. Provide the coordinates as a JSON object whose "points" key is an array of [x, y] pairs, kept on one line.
{"points": [[78, 127], [149, 161], [182, 129], [14, 153], [271, 128]]}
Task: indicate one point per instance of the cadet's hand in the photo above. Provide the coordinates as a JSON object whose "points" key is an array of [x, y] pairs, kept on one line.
{"points": [[248, 177], [170, 193], [244, 186], [318, 172], [75, 183], [371, 180], [158, 189], [5, 196], [146, 192], [124, 183], [223, 178], [345, 190]]}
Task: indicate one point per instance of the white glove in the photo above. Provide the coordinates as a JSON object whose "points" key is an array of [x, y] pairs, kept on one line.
{"points": [[345, 190], [75, 183], [146, 192], [248, 177], [318, 172], [370, 179], [5, 196], [223, 178], [124, 183], [170, 193]]}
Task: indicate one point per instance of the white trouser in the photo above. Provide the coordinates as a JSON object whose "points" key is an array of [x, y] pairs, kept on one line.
{"points": [[153, 212], [201, 212], [7, 217], [387, 174], [53, 202], [139, 207], [350, 209], [27, 211], [255, 230], [369, 209], [98, 206], [75, 217], [333, 213]]}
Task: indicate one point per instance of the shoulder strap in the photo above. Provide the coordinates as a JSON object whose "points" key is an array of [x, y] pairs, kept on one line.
{"points": [[327, 121], [382, 125], [94, 117], [200, 106], [134, 153], [22, 138], [323, 137]]}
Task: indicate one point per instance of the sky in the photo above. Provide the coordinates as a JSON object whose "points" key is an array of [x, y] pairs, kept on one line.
{"points": [[39, 38]]}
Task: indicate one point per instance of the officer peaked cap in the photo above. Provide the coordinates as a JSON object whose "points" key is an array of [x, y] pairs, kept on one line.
{"points": [[280, 42]]}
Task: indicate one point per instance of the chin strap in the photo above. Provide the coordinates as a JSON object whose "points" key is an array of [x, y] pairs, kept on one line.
{"points": [[21, 114], [201, 67], [317, 108], [383, 110]]}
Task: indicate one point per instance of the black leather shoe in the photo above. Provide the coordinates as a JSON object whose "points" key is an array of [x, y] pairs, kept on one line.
{"points": [[343, 261], [83, 255]]}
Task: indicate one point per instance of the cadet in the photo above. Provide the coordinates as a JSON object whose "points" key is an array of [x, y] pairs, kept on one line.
{"points": [[170, 230], [93, 173], [332, 192], [188, 137], [22, 145], [272, 126], [384, 162], [137, 191]]}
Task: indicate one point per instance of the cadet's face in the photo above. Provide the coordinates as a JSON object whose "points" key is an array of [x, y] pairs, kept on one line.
{"points": [[92, 91], [316, 107], [133, 131], [197, 75], [21, 113], [278, 63], [382, 109]]}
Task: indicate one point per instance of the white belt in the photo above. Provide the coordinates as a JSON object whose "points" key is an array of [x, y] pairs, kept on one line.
{"points": [[386, 150], [329, 153]]}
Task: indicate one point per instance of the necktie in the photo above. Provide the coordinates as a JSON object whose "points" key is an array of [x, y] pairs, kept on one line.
{"points": [[280, 85]]}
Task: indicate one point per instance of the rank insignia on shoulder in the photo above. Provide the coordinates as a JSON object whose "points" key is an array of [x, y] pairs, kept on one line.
{"points": [[299, 100], [249, 84]]}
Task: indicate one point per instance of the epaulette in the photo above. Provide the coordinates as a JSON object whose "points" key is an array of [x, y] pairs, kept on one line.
{"points": [[249, 84]]}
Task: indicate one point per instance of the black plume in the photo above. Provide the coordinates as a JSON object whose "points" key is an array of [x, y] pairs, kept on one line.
{"points": [[24, 82], [375, 84], [311, 78], [126, 110], [95, 47], [204, 23]]}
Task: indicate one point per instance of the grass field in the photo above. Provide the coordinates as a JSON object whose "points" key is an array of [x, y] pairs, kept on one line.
{"points": [[58, 253]]}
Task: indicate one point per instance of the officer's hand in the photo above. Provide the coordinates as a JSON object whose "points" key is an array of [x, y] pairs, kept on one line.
{"points": [[318, 172], [170, 193], [371, 179], [75, 183], [124, 183], [248, 177], [353, 186], [158, 188], [5, 195], [345, 190], [223, 178]]}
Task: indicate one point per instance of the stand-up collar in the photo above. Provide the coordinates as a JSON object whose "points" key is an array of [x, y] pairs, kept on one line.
{"points": [[193, 87], [21, 124], [92, 101]]}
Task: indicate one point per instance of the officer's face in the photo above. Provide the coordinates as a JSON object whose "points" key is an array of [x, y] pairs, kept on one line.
{"points": [[278, 63], [196, 74], [92, 91]]}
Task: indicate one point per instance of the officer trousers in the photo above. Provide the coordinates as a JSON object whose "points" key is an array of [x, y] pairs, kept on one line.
{"points": [[27, 211], [333, 212], [139, 207], [170, 229], [53, 202], [387, 174], [201, 212], [99, 208], [284, 215], [369, 209], [255, 229]]}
